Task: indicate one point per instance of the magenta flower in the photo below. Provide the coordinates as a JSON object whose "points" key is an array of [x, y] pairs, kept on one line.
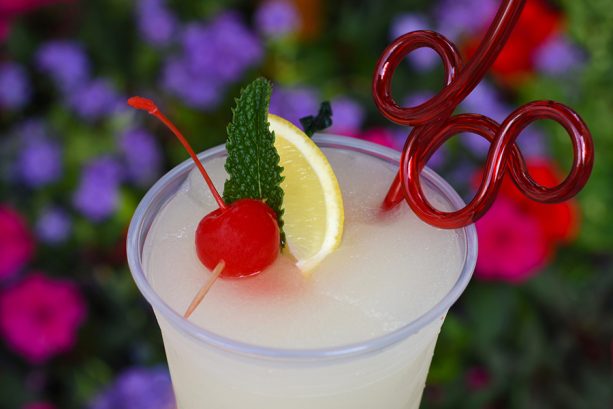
{"points": [[512, 244], [40, 316], [16, 243], [39, 405], [477, 378], [9, 9], [23, 6], [382, 136]]}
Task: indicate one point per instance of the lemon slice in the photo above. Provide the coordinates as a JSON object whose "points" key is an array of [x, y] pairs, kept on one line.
{"points": [[312, 201]]}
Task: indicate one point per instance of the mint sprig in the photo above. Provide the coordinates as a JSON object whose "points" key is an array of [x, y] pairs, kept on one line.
{"points": [[253, 161]]}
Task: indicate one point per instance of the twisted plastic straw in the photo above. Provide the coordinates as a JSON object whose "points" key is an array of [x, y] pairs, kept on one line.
{"points": [[434, 124]]}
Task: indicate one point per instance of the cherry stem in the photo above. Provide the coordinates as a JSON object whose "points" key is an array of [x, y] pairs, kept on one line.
{"points": [[149, 106], [204, 289]]}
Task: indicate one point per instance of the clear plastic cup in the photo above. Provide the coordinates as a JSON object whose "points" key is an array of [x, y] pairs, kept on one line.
{"points": [[211, 371]]}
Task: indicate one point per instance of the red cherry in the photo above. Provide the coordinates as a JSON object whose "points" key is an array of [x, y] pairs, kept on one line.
{"points": [[245, 235]]}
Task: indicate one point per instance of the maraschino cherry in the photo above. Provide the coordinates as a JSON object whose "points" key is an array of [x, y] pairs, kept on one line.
{"points": [[242, 237]]}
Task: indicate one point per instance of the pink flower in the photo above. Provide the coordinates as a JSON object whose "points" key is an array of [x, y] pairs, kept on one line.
{"points": [[16, 243], [382, 136], [477, 378], [512, 244], [519, 236], [39, 405], [40, 316]]}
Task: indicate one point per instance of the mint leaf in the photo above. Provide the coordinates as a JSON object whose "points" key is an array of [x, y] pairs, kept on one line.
{"points": [[253, 162], [323, 120]]}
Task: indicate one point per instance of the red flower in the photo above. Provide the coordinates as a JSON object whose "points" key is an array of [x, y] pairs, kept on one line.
{"points": [[537, 23], [40, 316], [16, 243], [518, 236]]}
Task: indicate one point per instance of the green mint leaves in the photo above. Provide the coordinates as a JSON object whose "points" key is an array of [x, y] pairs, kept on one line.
{"points": [[253, 162], [323, 120]]}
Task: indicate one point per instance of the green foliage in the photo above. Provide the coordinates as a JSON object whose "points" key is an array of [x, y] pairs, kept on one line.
{"points": [[253, 162], [591, 96], [543, 344]]}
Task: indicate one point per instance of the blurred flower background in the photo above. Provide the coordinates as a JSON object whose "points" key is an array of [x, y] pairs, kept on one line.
{"points": [[533, 330]]}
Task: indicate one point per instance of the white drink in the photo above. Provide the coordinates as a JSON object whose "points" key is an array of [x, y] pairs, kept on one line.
{"points": [[390, 270]]}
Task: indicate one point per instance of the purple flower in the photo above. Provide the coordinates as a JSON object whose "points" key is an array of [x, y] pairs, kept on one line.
{"points": [[294, 103], [399, 138], [417, 98], [97, 195], [142, 155], [65, 62], [277, 18], [199, 48], [14, 86], [532, 143], [347, 116], [464, 17], [461, 175], [138, 388], [195, 89], [32, 128], [422, 58], [406, 23], [485, 100], [476, 144], [438, 158], [558, 56], [40, 159], [213, 55], [238, 48], [53, 226], [157, 25], [94, 100], [225, 48]]}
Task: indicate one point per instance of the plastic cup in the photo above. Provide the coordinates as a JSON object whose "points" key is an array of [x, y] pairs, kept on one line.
{"points": [[211, 371]]}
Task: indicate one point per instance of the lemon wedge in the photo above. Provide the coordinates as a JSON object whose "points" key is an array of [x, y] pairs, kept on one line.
{"points": [[313, 202]]}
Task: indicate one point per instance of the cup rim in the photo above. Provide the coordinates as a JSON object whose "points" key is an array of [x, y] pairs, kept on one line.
{"points": [[137, 233]]}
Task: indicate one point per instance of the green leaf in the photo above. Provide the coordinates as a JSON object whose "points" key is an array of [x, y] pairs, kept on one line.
{"points": [[253, 162]]}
